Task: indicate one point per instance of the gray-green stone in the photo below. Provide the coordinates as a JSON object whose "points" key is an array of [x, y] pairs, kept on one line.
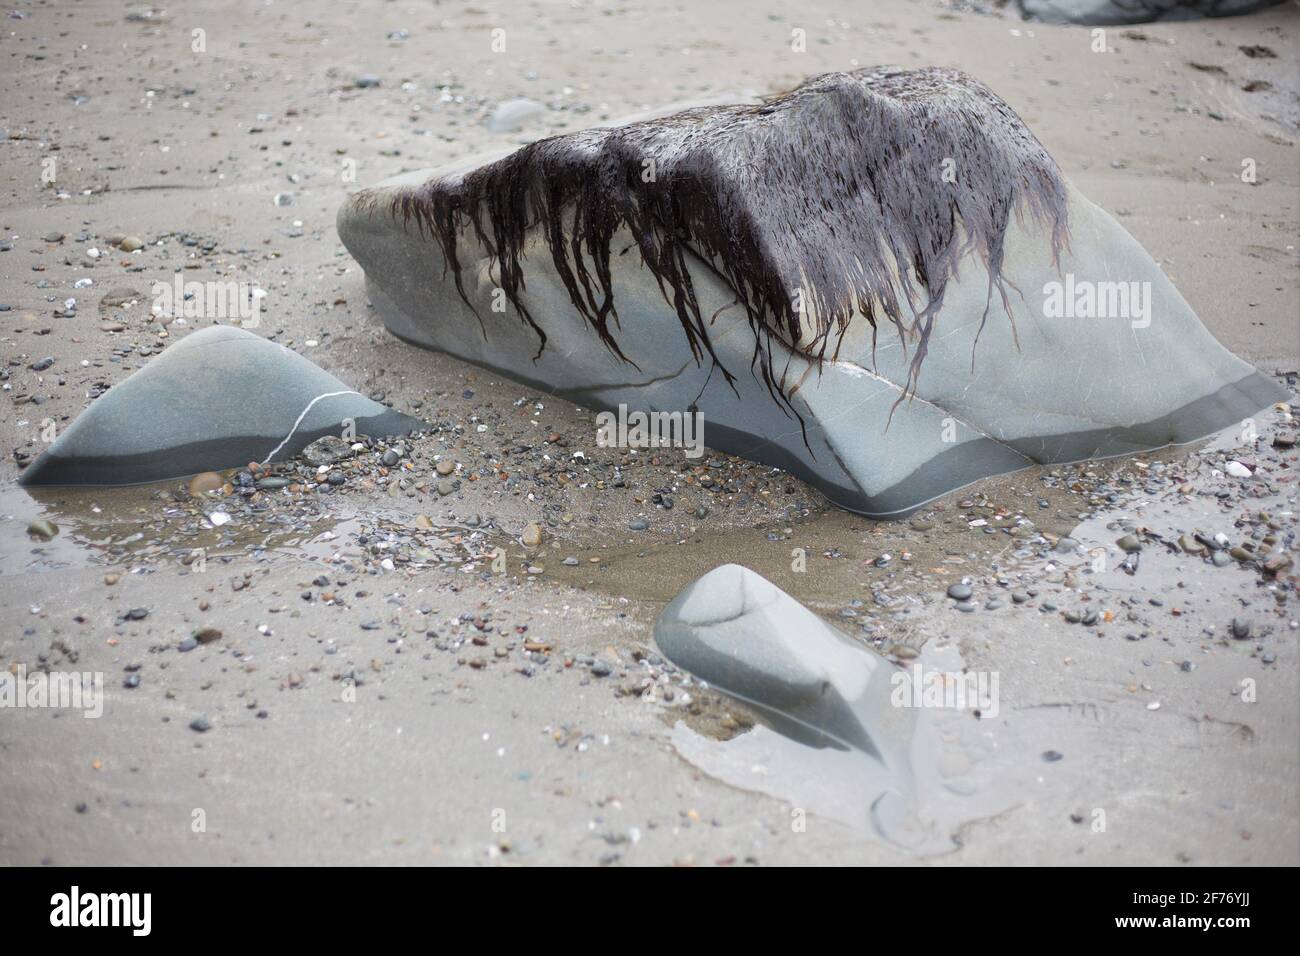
{"points": [[219, 398]]}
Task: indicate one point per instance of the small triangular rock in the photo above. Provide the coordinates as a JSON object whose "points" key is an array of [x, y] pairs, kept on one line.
{"points": [[744, 636], [220, 398]]}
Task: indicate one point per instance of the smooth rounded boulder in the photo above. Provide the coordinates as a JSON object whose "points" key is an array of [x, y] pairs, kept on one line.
{"points": [[880, 282]]}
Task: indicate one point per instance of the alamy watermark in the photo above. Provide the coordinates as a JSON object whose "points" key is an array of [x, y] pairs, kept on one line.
{"points": [[651, 430], [75, 908], [972, 690], [66, 690], [208, 300], [1086, 299]]}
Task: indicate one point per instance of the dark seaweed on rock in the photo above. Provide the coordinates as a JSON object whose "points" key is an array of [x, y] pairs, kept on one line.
{"points": [[821, 203]]}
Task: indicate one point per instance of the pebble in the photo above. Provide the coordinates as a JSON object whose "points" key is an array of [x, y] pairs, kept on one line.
{"points": [[131, 244], [200, 725], [638, 524], [205, 483], [119, 296], [514, 114], [532, 535], [960, 591], [1240, 629], [327, 450], [43, 528], [446, 487], [445, 467], [1277, 563], [1129, 543]]}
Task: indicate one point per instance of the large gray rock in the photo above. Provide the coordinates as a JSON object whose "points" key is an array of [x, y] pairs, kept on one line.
{"points": [[220, 398], [1099, 12], [1006, 382]]}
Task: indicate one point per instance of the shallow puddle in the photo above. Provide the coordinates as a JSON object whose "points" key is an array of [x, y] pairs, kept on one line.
{"points": [[112, 526], [148, 524]]}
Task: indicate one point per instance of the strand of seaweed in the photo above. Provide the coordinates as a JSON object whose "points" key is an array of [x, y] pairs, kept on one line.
{"points": [[855, 194]]}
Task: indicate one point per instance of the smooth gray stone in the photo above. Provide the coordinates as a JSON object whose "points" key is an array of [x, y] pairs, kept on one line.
{"points": [[219, 398], [1100, 12], [1053, 390], [746, 637], [513, 115]]}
